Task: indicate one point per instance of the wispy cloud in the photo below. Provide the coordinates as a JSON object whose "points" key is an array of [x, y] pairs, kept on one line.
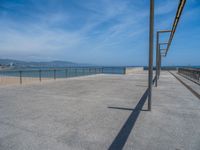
{"points": [[93, 31]]}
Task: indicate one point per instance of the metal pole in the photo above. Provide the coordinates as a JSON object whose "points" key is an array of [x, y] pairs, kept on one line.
{"points": [[20, 77], [75, 72], [40, 75], [159, 62], [157, 59], [66, 73], [54, 74], [151, 31]]}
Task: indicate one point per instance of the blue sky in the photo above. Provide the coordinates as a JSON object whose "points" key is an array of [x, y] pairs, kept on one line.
{"points": [[102, 32]]}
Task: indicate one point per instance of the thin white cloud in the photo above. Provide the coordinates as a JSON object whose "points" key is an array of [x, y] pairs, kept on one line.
{"points": [[44, 37]]}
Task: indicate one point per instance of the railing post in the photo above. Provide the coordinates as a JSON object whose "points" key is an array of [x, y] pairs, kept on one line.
{"points": [[124, 70], [20, 77], [40, 75], [66, 73], [54, 74], [151, 32], [75, 71]]}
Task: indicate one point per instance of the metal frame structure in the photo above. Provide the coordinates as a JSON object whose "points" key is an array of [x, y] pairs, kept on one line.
{"points": [[158, 53]]}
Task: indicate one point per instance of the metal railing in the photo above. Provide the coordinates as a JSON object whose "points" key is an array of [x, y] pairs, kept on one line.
{"points": [[190, 73], [26, 76]]}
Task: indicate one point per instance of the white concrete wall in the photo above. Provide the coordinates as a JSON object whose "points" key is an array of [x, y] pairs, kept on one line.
{"points": [[132, 70]]}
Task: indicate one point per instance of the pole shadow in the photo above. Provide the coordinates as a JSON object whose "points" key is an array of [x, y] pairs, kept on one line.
{"points": [[125, 108], [154, 79], [121, 138]]}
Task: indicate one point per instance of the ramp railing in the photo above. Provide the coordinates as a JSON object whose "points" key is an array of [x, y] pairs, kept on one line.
{"points": [[190, 73]]}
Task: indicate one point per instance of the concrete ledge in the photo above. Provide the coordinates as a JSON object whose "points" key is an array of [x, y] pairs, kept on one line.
{"points": [[132, 70]]}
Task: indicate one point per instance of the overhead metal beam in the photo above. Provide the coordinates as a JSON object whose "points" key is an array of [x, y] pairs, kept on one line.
{"points": [[164, 31], [176, 21]]}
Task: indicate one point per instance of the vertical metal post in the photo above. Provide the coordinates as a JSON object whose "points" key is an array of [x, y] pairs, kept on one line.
{"points": [[40, 75], [151, 31], [20, 77], [54, 74], [157, 58], [75, 72], [66, 73], [159, 62]]}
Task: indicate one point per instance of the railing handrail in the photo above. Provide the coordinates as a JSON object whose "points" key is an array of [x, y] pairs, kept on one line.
{"points": [[192, 74], [55, 73], [59, 69], [189, 69]]}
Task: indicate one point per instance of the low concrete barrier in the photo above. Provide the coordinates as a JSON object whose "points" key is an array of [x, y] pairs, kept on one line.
{"points": [[132, 70]]}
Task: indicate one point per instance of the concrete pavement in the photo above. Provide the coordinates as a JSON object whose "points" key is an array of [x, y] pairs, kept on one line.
{"points": [[99, 112]]}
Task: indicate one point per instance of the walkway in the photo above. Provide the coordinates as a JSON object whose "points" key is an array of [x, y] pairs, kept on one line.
{"points": [[99, 112]]}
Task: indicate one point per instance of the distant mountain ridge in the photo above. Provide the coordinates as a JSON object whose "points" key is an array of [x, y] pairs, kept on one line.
{"points": [[26, 64]]}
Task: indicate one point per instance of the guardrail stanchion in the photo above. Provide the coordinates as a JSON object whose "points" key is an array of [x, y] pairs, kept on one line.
{"points": [[20, 77], [66, 73], [54, 74], [40, 75]]}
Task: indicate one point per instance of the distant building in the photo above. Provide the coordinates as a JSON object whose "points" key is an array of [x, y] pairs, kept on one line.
{"points": [[12, 64]]}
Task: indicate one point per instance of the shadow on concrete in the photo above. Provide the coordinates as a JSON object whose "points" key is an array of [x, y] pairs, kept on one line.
{"points": [[142, 85], [154, 79], [121, 138], [125, 108]]}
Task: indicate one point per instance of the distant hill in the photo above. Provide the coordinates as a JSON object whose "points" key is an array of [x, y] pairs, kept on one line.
{"points": [[26, 64]]}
